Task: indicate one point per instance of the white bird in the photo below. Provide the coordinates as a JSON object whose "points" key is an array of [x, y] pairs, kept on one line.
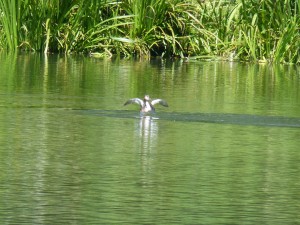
{"points": [[147, 103]]}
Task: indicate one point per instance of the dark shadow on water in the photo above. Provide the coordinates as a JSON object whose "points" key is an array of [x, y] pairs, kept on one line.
{"points": [[239, 119]]}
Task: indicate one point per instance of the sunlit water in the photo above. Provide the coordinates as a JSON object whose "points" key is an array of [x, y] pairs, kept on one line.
{"points": [[225, 151]]}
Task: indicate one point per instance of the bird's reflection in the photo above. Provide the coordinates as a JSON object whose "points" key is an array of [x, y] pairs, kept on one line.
{"points": [[147, 136], [148, 132]]}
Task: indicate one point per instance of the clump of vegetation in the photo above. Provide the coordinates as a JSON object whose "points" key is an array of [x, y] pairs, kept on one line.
{"points": [[261, 30]]}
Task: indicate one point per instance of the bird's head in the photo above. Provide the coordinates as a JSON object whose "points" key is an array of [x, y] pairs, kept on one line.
{"points": [[147, 98]]}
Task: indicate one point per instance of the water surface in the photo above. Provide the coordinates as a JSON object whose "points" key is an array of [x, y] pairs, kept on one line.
{"points": [[225, 151]]}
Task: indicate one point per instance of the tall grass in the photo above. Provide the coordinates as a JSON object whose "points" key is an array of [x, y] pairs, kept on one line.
{"points": [[260, 30], [158, 26], [274, 28], [9, 18]]}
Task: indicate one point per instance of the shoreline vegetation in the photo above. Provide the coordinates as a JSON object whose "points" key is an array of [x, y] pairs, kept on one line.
{"points": [[242, 30]]}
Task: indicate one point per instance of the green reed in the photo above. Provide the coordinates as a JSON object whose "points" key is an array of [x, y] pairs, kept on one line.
{"points": [[158, 26], [9, 20], [271, 29], [262, 30], [250, 30]]}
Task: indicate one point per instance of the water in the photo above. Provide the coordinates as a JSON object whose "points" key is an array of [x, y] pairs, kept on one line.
{"points": [[226, 151]]}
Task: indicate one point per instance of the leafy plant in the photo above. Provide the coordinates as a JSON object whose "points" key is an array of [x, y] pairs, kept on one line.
{"points": [[262, 30]]}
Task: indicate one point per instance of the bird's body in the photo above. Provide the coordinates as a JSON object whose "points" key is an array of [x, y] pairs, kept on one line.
{"points": [[147, 104]]}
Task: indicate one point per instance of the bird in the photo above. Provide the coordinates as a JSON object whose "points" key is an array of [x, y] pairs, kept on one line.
{"points": [[147, 104]]}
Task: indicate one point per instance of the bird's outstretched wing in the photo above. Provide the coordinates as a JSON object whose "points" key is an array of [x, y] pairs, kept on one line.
{"points": [[134, 100], [160, 101]]}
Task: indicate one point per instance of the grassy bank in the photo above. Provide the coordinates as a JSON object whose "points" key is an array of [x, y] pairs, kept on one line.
{"points": [[260, 30]]}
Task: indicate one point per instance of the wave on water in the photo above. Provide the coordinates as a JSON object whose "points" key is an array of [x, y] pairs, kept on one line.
{"points": [[221, 118]]}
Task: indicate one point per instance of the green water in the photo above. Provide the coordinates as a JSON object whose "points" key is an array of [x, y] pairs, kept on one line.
{"points": [[225, 151]]}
